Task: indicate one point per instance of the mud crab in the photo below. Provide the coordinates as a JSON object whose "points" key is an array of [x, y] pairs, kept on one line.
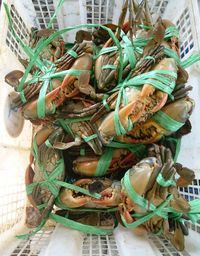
{"points": [[152, 130], [54, 50], [121, 160], [40, 180], [109, 191], [143, 104], [67, 89], [157, 189]]}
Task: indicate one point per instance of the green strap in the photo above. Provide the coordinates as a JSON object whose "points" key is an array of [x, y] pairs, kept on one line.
{"points": [[141, 41], [77, 188], [35, 150], [142, 26], [163, 80], [41, 100], [79, 226], [107, 50], [172, 54], [138, 149], [150, 58], [50, 179], [148, 216], [66, 127], [134, 196], [89, 138], [108, 66], [38, 228], [59, 5], [60, 204], [193, 58], [164, 183], [129, 50], [48, 144], [104, 162], [72, 53], [106, 104], [170, 32], [166, 121], [29, 52]]}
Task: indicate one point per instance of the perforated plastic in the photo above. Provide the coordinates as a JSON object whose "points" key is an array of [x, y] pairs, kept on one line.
{"points": [[14, 153]]}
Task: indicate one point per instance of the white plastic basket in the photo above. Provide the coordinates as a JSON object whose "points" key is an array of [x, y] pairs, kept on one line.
{"points": [[14, 155]]}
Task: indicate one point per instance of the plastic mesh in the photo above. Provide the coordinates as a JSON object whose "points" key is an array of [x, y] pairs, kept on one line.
{"points": [[185, 28], [44, 11], [20, 29], [34, 245], [99, 246]]}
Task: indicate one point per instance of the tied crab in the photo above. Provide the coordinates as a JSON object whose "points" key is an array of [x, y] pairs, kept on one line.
{"points": [[52, 51], [121, 160], [154, 128], [142, 104], [157, 182], [48, 168], [67, 89], [109, 191], [108, 63]]}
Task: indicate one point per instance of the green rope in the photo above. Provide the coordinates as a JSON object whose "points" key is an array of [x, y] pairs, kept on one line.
{"points": [[79, 226], [167, 122], [148, 216], [164, 183], [170, 32], [104, 162]]}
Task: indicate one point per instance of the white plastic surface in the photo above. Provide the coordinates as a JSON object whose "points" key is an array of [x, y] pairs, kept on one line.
{"points": [[15, 152]]}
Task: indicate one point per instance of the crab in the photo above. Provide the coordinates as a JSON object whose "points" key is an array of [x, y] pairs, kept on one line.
{"points": [[151, 193], [109, 191], [153, 129], [48, 167], [121, 160]]}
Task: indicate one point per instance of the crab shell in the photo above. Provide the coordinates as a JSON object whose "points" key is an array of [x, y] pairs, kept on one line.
{"points": [[151, 131], [110, 195], [58, 95], [143, 104], [87, 165], [42, 194], [142, 177]]}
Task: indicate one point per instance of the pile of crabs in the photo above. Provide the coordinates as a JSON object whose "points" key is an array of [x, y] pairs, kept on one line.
{"points": [[108, 114]]}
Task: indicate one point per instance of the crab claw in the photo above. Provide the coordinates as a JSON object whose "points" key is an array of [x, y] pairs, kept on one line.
{"points": [[186, 175], [133, 110], [110, 196], [152, 130], [71, 199], [13, 77], [53, 99]]}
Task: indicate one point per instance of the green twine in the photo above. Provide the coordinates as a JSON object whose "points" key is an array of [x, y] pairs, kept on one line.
{"points": [[50, 179], [164, 183], [170, 32], [72, 53], [148, 216], [108, 66], [104, 162], [79, 226], [91, 137], [166, 122]]}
